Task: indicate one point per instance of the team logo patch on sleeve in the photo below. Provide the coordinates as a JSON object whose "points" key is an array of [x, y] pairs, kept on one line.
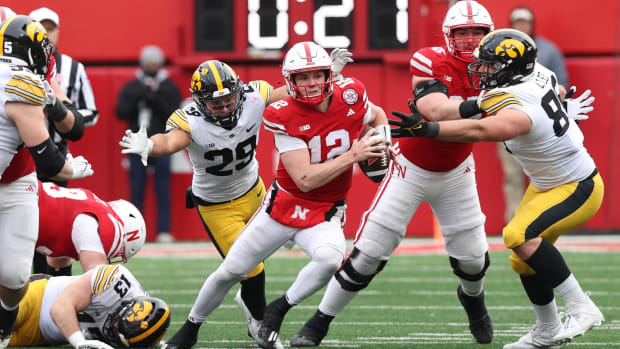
{"points": [[350, 96]]}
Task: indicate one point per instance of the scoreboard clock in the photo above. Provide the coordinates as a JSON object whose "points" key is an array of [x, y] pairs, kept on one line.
{"points": [[265, 29]]}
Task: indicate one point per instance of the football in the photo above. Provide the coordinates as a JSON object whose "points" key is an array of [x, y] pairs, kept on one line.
{"points": [[374, 168]]}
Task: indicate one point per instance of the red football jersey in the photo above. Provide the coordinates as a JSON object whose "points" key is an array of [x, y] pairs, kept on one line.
{"points": [[58, 208], [327, 135], [22, 163], [431, 154]]}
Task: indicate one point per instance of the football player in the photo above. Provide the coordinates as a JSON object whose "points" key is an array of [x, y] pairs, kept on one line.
{"points": [[315, 131], [103, 308], [23, 62], [440, 173], [565, 191], [76, 224]]}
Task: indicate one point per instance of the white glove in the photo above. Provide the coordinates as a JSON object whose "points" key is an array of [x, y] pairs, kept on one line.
{"points": [[93, 344], [50, 97], [137, 143], [577, 108], [340, 57], [81, 167]]}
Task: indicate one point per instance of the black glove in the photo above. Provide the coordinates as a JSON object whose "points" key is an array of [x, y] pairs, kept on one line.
{"points": [[413, 125]]}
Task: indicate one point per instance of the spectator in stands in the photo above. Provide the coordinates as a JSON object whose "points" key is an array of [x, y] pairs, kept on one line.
{"points": [[151, 97], [522, 18]]}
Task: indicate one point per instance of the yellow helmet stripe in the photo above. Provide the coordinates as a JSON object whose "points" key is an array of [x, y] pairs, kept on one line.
{"points": [[216, 75], [153, 328], [2, 30]]}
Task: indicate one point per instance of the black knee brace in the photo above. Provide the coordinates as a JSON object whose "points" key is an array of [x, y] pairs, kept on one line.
{"points": [[361, 280], [454, 263]]}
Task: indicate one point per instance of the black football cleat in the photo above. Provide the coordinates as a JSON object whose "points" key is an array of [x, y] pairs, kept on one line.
{"points": [[268, 337], [313, 332], [185, 338], [480, 324]]}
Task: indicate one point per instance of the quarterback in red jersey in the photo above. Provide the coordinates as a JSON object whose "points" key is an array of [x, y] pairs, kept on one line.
{"points": [[440, 173], [75, 224], [315, 131]]}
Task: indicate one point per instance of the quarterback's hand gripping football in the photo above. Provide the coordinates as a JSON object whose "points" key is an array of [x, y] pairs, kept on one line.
{"points": [[137, 143], [413, 125], [340, 57], [81, 167], [578, 108], [93, 344]]}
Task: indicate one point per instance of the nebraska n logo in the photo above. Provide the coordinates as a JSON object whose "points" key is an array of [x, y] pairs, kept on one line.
{"points": [[300, 212], [133, 235]]}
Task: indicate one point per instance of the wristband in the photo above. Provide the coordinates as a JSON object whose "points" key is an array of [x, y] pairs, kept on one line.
{"points": [[432, 130], [76, 338], [468, 109], [57, 111]]}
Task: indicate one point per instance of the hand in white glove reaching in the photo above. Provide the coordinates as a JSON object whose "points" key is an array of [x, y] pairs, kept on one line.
{"points": [[340, 57], [93, 344], [50, 97], [578, 108], [137, 143], [81, 167]]}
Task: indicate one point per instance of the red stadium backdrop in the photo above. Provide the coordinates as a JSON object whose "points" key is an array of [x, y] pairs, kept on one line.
{"points": [[252, 35]]}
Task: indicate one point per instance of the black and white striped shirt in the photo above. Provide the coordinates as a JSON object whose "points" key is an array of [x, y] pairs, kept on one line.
{"points": [[72, 78]]}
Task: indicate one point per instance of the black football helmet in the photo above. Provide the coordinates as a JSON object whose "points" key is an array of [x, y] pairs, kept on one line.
{"points": [[138, 322], [504, 57], [218, 92], [25, 42]]}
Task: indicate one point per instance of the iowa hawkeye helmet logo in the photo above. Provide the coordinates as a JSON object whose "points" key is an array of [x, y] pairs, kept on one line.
{"points": [[36, 32], [196, 81], [510, 48]]}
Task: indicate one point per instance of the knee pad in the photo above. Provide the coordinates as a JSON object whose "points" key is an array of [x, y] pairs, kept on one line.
{"points": [[13, 277], [353, 280], [470, 275], [328, 258]]}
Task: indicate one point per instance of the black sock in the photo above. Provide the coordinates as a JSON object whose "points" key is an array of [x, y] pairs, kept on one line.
{"points": [[538, 290], [549, 264], [39, 263], [7, 320], [253, 295], [275, 312]]}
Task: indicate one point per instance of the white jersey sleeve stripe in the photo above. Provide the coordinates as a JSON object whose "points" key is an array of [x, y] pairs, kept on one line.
{"points": [[420, 67], [423, 59], [274, 125]]}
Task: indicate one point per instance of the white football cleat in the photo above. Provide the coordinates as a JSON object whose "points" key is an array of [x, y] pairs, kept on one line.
{"points": [[540, 336], [253, 324], [580, 318], [4, 342]]}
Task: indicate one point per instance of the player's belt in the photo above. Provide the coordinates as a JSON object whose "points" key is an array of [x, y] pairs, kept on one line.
{"points": [[202, 202]]}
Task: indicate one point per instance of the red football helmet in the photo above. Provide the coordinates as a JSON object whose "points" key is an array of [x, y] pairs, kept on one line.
{"points": [[304, 57], [465, 14]]}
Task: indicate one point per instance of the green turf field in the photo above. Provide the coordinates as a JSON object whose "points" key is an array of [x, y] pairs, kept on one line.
{"points": [[411, 304]]}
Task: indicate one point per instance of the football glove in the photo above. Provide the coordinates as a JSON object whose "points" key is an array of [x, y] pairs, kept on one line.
{"points": [[81, 167], [578, 108], [137, 143], [340, 57], [93, 344], [413, 125]]}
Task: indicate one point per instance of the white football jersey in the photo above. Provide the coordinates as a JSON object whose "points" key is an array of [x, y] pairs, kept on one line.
{"points": [[17, 84], [224, 161], [110, 285], [552, 153]]}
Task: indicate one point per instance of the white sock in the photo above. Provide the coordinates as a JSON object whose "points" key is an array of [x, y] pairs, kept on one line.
{"points": [[570, 291], [547, 313]]}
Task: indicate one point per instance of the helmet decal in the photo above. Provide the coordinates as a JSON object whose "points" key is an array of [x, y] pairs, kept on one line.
{"points": [[511, 48], [139, 311], [196, 83], [36, 32]]}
